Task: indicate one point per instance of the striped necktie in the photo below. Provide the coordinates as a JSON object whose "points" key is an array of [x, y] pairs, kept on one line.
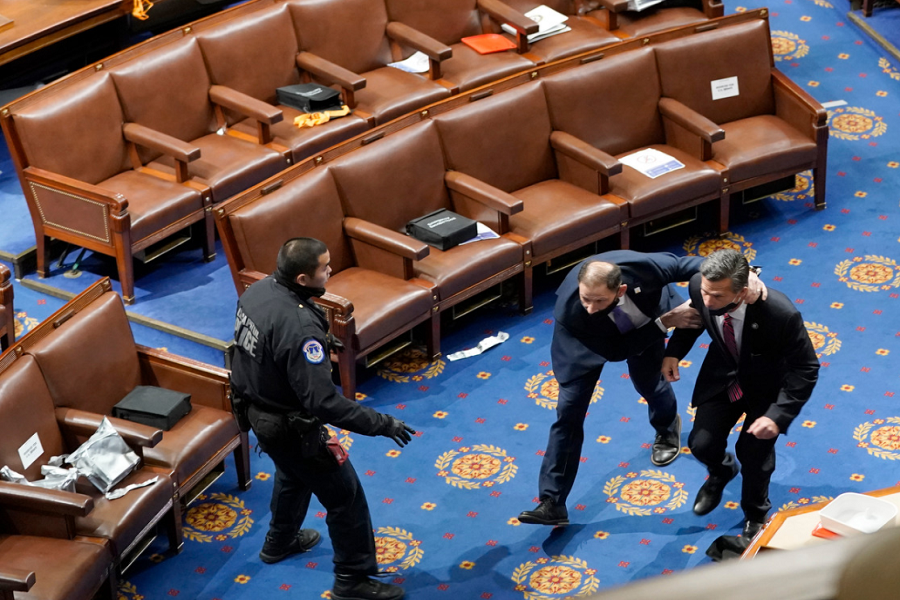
{"points": [[734, 390]]}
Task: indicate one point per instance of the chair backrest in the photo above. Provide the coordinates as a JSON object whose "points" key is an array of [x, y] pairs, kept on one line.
{"points": [[503, 140], [75, 131], [690, 66], [90, 360], [349, 33], [167, 89], [307, 206], [26, 409], [612, 104], [394, 180], [254, 54], [447, 21]]}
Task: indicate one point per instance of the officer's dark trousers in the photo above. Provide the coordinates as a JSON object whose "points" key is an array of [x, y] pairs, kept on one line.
{"points": [[563, 455], [337, 488], [708, 442]]}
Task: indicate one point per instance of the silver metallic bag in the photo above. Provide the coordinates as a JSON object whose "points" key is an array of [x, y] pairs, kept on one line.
{"points": [[105, 459]]}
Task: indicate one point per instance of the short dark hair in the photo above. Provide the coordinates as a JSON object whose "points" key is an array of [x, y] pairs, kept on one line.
{"points": [[726, 264], [300, 256], [597, 272]]}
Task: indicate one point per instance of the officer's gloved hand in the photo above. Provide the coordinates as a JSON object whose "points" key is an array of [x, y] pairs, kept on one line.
{"points": [[398, 431]]}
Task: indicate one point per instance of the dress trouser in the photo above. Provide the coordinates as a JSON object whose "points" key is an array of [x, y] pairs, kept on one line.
{"points": [[708, 442], [563, 455], [337, 487]]}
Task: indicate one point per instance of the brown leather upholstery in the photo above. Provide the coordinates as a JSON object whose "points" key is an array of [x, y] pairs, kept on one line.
{"points": [[384, 304], [613, 105], [333, 30], [772, 129], [26, 408], [227, 164], [255, 55], [615, 16], [90, 362], [82, 574], [7, 314], [448, 22], [77, 134], [517, 158], [401, 178]]}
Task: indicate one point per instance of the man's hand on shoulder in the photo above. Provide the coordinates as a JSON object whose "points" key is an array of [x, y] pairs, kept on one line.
{"points": [[683, 316], [756, 289]]}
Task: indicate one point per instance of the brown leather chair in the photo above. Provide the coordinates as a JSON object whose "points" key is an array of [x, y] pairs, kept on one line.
{"points": [[7, 314], [175, 115], [614, 106], [773, 128], [449, 21], [26, 409], [90, 361], [616, 18], [255, 53], [505, 145], [402, 177], [31, 569], [372, 296], [81, 185], [349, 42]]}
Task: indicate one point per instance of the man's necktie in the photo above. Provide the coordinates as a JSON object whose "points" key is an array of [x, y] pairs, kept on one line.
{"points": [[623, 321], [734, 390]]}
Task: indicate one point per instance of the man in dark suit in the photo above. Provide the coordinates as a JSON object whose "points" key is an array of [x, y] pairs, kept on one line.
{"points": [[761, 362], [614, 306]]}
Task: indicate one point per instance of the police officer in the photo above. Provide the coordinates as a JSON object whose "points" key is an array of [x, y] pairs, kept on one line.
{"points": [[282, 371]]}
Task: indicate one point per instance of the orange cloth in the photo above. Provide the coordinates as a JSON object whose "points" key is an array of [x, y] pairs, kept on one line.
{"points": [[317, 118], [140, 9]]}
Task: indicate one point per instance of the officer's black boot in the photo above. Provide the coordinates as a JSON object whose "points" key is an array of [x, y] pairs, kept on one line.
{"points": [[361, 587]]}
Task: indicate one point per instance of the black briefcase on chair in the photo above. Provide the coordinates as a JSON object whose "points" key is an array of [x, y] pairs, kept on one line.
{"points": [[442, 229], [309, 97], [153, 406]]}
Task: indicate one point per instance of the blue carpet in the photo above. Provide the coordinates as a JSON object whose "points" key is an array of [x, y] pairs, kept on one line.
{"points": [[444, 507]]}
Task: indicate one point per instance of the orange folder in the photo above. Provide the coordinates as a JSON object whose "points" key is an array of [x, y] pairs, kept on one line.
{"points": [[487, 43]]}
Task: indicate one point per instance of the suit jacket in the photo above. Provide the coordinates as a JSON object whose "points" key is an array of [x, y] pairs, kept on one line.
{"points": [[777, 368], [583, 342]]}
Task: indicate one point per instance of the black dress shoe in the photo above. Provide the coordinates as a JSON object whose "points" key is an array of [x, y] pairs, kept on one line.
{"points": [[751, 528], [361, 587], [667, 446], [303, 542], [710, 494], [546, 514]]}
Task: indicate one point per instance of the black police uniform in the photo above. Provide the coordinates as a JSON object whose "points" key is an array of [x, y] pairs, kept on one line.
{"points": [[281, 367]]}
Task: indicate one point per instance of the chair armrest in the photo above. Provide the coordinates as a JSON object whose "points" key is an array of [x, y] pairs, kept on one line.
{"points": [[614, 6], [246, 105], [385, 239], [4, 274], [45, 501], [208, 385], [483, 193], [338, 304], [406, 35], [84, 423], [68, 186], [160, 142], [329, 71], [15, 580], [690, 120], [786, 91], [582, 152], [713, 8], [503, 13]]}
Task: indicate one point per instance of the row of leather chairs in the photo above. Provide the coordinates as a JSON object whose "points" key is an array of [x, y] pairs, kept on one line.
{"points": [[539, 163], [57, 382], [127, 152], [7, 316]]}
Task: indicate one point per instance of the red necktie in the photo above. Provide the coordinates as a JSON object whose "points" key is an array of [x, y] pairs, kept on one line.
{"points": [[734, 390]]}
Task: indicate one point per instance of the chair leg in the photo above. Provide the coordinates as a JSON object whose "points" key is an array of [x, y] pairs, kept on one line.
{"points": [[624, 238], [43, 255], [125, 265], [433, 336], [110, 588], [174, 528], [724, 211], [242, 462], [209, 239], [347, 366], [526, 291]]}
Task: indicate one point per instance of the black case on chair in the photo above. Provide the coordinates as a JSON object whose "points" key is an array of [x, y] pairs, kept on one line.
{"points": [[442, 229], [309, 97], [153, 406]]}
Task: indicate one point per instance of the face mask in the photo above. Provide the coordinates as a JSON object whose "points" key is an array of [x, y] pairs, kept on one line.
{"points": [[721, 311]]}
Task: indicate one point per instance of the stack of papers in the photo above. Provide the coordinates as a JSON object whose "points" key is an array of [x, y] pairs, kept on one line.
{"points": [[639, 5], [651, 163], [550, 22]]}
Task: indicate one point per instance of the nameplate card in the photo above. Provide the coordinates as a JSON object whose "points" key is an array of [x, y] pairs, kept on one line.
{"points": [[30, 451], [725, 88]]}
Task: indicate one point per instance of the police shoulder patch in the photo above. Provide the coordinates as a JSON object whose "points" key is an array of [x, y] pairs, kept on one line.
{"points": [[313, 352]]}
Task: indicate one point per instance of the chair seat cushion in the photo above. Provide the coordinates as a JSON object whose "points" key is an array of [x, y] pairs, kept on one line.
{"points": [[153, 203], [390, 93], [193, 442], [557, 213], [228, 165], [122, 521], [648, 196], [382, 305], [761, 145], [75, 578], [467, 69], [461, 267], [584, 37], [307, 141]]}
